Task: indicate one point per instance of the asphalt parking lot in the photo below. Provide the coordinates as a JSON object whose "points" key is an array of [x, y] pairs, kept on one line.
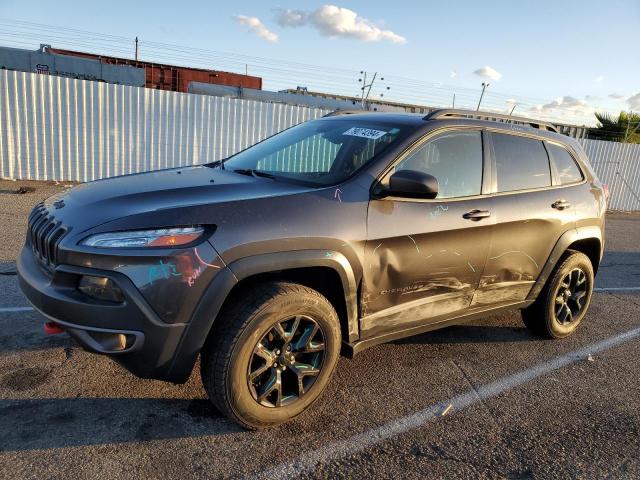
{"points": [[485, 399]]}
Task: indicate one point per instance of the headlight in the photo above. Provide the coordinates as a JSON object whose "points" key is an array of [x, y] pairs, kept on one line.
{"points": [[164, 237]]}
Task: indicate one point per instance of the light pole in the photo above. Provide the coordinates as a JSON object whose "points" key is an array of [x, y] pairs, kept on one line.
{"points": [[363, 85], [484, 86], [367, 86]]}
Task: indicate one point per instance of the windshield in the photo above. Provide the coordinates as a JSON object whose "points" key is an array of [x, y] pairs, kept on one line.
{"points": [[321, 152]]}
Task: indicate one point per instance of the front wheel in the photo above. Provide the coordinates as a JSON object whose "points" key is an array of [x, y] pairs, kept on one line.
{"points": [[271, 355], [564, 300]]}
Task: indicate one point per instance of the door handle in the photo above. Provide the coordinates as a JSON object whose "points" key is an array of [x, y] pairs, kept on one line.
{"points": [[560, 205], [476, 215]]}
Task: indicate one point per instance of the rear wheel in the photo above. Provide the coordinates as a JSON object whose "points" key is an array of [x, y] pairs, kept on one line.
{"points": [[272, 354], [564, 300]]}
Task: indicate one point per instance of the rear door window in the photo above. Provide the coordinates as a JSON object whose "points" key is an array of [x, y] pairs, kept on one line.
{"points": [[521, 163], [566, 168]]}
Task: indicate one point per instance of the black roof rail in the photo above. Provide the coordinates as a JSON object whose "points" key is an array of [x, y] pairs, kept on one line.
{"points": [[336, 113], [454, 112]]}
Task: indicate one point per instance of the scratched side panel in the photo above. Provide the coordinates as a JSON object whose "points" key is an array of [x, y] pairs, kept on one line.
{"points": [[527, 228], [422, 260]]}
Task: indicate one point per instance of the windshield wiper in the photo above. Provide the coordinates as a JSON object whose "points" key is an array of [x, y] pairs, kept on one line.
{"points": [[216, 164], [253, 173]]}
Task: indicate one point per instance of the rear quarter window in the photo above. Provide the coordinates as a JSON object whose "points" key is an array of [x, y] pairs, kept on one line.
{"points": [[566, 168], [521, 163]]}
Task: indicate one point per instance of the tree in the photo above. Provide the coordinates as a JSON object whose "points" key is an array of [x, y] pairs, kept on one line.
{"points": [[625, 128]]}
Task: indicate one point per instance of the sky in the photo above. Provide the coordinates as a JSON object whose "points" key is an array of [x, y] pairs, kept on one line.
{"points": [[551, 59]]}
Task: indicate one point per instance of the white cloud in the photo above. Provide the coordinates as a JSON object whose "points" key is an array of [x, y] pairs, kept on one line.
{"points": [[616, 96], [333, 21], [634, 101], [291, 18], [337, 22], [256, 26], [566, 104], [453, 74], [598, 79], [488, 72]]}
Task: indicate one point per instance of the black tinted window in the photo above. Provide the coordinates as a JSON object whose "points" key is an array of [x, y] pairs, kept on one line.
{"points": [[568, 171], [521, 163], [455, 160]]}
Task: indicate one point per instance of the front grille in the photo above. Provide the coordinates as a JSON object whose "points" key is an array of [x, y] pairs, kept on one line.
{"points": [[44, 235]]}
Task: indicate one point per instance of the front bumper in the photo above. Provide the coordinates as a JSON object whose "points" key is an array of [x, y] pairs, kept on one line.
{"points": [[131, 332]]}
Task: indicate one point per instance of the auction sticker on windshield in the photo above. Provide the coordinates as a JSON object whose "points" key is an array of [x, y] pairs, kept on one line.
{"points": [[365, 133]]}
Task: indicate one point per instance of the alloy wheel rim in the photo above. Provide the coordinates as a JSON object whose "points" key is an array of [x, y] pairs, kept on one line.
{"points": [[571, 296], [286, 362]]}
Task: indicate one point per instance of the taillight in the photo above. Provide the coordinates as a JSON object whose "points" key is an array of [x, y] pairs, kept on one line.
{"points": [[605, 189]]}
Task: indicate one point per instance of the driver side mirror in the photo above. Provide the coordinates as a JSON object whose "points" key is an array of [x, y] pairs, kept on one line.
{"points": [[412, 184]]}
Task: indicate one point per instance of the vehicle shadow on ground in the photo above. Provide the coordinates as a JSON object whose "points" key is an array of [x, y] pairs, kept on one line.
{"points": [[34, 424], [471, 334]]}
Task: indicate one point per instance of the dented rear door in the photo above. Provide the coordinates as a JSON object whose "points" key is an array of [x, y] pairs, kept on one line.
{"points": [[531, 214]]}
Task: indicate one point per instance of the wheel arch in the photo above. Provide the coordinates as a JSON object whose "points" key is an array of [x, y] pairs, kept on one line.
{"points": [[587, 240], [591, 247], [327, 271]]}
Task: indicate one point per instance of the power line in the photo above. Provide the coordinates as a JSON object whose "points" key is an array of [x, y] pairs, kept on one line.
{"points": [[338, 80]]}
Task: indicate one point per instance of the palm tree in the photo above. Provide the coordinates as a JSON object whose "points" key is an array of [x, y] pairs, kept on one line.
{"points": [[625, 128]]}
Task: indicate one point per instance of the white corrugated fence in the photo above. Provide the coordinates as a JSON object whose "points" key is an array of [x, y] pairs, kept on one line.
{"points": [[618, 165], [55, 128]]}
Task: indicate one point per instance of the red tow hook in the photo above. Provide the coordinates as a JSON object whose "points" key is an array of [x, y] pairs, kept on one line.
{"points": [[52, 328]]}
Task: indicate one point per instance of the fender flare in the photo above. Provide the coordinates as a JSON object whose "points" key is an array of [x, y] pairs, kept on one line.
{"points": [[561, 246], [271, 262], [209, 307]]}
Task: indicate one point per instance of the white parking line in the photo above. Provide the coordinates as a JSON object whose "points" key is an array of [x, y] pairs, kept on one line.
{"points": [[15, 309], [357, 443]]}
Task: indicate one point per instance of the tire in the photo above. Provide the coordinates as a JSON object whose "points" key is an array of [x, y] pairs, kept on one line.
{"points": [[231, 353], [554, 314]]}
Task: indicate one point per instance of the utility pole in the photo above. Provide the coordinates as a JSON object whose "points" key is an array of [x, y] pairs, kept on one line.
{"points": [[453, 104], [370, 85], [366, 87], [136, 49], [484, 86]]}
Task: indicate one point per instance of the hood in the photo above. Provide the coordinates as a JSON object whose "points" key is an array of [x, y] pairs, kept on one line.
{"points": [[158, 193]]}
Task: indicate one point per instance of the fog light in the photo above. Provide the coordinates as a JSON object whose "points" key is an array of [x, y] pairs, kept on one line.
{"points": [[100, 288]]}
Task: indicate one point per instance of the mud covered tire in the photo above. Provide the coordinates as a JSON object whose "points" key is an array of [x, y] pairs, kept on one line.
{"points": [[545, 316], [229, 351]]}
